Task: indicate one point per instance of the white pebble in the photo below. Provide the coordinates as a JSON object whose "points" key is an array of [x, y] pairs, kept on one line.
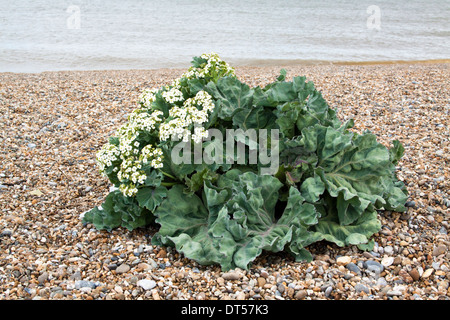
{"points": [[146, 284]]}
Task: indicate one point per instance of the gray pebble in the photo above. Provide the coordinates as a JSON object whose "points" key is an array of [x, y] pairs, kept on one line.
{"points": [[281, 288], [123, 268], [410, 204], [447, 203], [152, 263], [76, 276], [43, 277], [360, 287], [112, 266], [85, 284], [60, 227], [354, 268], [6, 233], [381, 282], [373, 266], [388, 249]]}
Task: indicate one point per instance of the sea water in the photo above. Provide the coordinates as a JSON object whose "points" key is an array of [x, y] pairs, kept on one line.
{"points": [[41, 35]]}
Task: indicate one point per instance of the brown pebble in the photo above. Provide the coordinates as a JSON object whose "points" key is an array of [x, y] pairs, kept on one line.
{"points": [[264, 274], [261, 281], [231, 276], [397, 260], [414, 274], [440, 249], [301, 294], [120, 296], [290, 292], [406, 276], [161, 254]]}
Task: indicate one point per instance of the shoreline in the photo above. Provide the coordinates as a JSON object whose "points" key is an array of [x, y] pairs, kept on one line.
{"points": [[261, 63]]}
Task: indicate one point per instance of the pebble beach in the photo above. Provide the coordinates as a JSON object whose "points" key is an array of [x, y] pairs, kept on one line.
{"points": [[53, 123]]}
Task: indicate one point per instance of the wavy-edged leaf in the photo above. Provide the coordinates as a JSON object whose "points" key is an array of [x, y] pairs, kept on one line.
{"points": [[359, 232], [151, 198], [179, 213], [232, 96], [118, 210]]}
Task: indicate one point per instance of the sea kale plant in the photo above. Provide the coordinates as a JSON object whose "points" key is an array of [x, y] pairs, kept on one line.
{"points": [[298, 175]]}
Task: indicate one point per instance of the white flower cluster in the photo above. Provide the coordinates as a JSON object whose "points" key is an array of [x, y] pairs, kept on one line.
{"points": [[214, 65], [173, 95], [138, 121], [147, 97], [186, 117], [152, 155], [132, 158], [131, 169], [106, 156], [182, 118]]}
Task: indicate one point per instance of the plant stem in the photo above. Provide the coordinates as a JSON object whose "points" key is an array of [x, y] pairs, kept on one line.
{"points": [[168, 184], [168, 175]]}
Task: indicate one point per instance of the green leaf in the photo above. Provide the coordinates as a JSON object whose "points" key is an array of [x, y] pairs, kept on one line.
{"points": [[154, 177], [349, 168], [232, 95], [287, 115], [180, 213], [281, 92], [198, 62], [178, 170], [357, 233], [197, 180], [282, 75], [312, 188], [317, 111], [302, 87], [151, 198], [254, 118], [396, 152], [195, 85], [118, 210]]}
